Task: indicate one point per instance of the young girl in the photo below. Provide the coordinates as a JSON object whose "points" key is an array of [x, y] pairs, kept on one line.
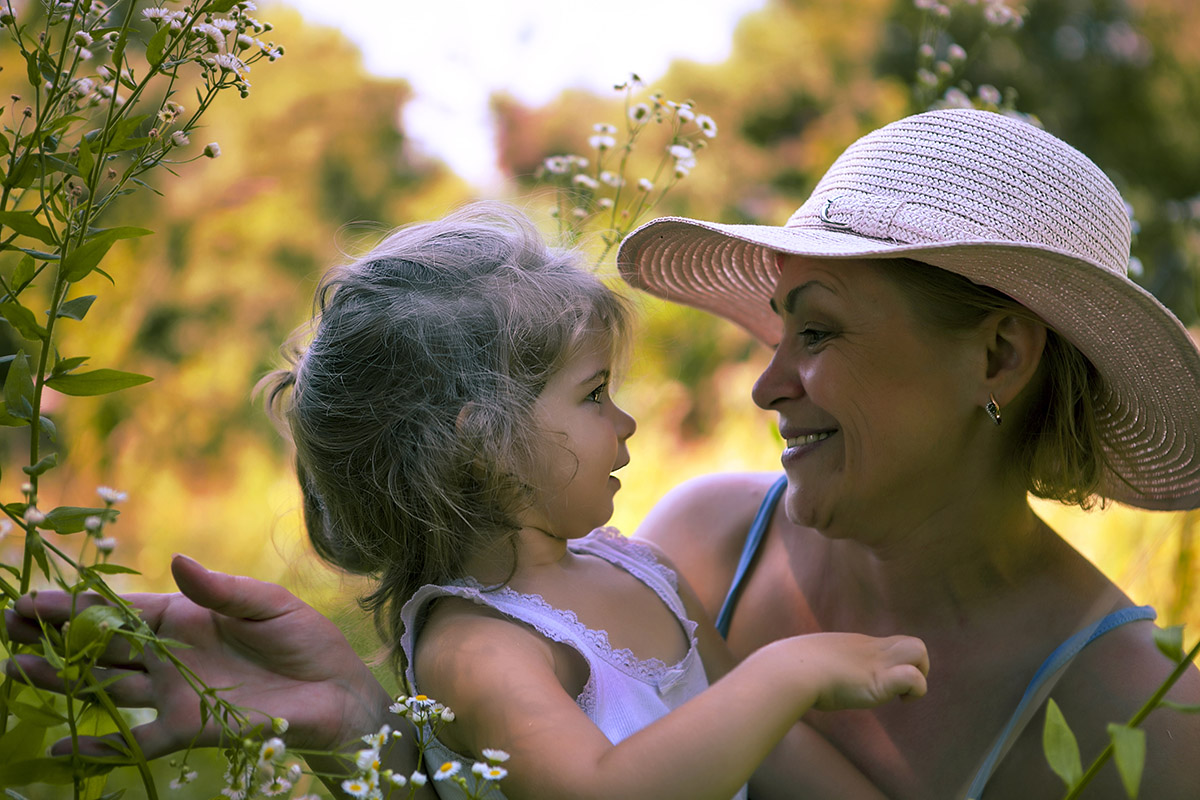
{"points": [[456, 437]]}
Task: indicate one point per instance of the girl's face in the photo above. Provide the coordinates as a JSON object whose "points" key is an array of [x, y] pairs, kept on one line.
{"points": [[583, 443]]}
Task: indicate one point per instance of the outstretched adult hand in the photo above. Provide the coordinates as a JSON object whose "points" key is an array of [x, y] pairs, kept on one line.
{"points": [[275, 653]]}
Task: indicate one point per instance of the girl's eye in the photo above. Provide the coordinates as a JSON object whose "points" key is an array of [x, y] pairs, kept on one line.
{"points": [[597, 395]]}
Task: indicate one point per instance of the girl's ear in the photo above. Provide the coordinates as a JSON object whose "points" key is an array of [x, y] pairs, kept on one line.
{"points": [[1014, 351]]}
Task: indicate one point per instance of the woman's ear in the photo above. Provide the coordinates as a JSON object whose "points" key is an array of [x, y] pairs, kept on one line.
{"points": [[1014, 351]]}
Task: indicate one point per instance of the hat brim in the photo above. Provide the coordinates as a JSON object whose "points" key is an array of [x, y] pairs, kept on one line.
{"points": [[1150, 417]]}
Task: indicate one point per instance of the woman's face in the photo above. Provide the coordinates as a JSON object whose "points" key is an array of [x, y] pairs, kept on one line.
{"points": [[877, 410]]}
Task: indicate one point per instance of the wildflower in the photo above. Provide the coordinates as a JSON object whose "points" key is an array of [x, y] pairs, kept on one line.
{"points": [[5, 527], [925, 5], [293, 773], [956, 98], [367, 760], [418, 778], [447, 770], [605, 203], [33, 516], [106, 544], [998, 14], [179, 138], [956, 53], [186, 776], [556, 165], [210, 32], [245, 42], [378, 739], [156, 15], [685, 113], [272, 750], [394, 778], [645, 185], [82, 38], [276, 786], [212, 150], [926, 77], [111, 496], [356, 787], [707, 126], [495, 756], [223, 24], [578, 213], [989, 94], [279, 725], [926, 52], [611, 178], [492, 773], [228, 63], [639, 112], [586, 181], [680, 152], [27, 488], [604, 127], [602, 142]]}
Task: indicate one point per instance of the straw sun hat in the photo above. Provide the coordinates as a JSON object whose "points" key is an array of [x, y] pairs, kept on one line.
{"points": [[1006, 205]]}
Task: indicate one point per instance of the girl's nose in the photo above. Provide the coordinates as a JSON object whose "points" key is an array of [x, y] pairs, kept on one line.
{"points": [[624, 422]]}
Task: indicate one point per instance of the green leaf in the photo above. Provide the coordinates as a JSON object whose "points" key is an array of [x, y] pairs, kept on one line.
{"points": [[49, 428], [123, 130], [5, 147], [1170, 642], [22, 741], [39, 714], [118, 54], [64, 365], [70, 519], [26, 224], [156, 45], [46, 464], [94, 627], [98, 381], [51, 770], [32, 73], [112, 569], [23, 320], [220, 6], [1129, 751], [83, 259], [18, 388], [24, 272], [77, 309], [87, 161], [1060, 747]]}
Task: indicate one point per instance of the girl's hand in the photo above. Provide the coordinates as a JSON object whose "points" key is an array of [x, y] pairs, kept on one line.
{"points": [[275, 653], [851, 670]]}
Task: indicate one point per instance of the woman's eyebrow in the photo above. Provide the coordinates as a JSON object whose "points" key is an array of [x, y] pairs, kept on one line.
{"points": [[789, 302]]}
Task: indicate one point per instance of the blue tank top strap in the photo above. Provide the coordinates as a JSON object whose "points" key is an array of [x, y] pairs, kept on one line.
{"points": [[1042, 682], [754, 539]]}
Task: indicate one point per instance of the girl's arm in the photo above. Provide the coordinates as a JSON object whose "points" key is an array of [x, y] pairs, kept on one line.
{"points": [[804, 763], [500, 678]]}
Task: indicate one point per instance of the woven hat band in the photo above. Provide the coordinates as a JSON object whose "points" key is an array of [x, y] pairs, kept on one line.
{"points": [[945, 179]]}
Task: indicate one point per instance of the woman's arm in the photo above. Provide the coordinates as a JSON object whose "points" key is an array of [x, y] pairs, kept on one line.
{"points": [[275, 653], [500, 679]]}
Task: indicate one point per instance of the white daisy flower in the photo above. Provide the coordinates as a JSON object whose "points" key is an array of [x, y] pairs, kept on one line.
{"points": [[418, 778], [602, 142], [185, 777], [356, 787], [212, 150], [707, 126], [179, 139], [645, 185], [271, 751], [604, 127], [587, 182], [367, 760], [108, 494], [276, 786], [447, 770], [106, 544], [639, 112], [495, 756], [33, 516]]}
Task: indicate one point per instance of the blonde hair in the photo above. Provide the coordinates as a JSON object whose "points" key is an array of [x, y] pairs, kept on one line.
{"points": [[1058, 450], [411, 407]]}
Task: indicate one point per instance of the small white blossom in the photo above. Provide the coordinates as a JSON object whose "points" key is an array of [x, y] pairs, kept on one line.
{"points": [[33, 516], [447, 770], [998, 14], [106, 544], [707, 126], [957, 98], [493, 773], [495, 756], [110, 495], [279, 725], [271, 751], [156, 14], [989, 94], [681, 152], [685, 113], [185, 777], [212, 150], [222, 24], [605, 203], [956, 53], [611, 178], [418, 778], [926, 51], [26, 488], [558, 165], [294, 772], [367, 760], [83, 38], [602, 142], [379, 738], [356, 787], [276, 786], [179, 138], [586, 181], [645, 185], [604, 127], [395, 778], [639, 112]]}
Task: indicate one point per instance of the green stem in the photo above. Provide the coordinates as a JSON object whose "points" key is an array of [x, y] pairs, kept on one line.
{"points": [[114, 713], [1136, 720]]}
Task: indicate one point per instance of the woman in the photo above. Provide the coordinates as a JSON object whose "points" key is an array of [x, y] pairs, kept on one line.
{"points": [[953, 329]]}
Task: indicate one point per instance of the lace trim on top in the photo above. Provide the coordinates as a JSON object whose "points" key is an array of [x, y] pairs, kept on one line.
{"points": [[638, 560]]}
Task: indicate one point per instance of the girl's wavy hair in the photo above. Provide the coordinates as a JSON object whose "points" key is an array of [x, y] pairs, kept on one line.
{"points": [[411, 406], [1058, 452]]}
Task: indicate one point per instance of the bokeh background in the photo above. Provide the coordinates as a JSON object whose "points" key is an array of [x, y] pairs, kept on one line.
{"points": [[319, 160]]}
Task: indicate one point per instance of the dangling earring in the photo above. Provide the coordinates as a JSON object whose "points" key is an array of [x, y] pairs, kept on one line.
{"points": [[993, 408]]}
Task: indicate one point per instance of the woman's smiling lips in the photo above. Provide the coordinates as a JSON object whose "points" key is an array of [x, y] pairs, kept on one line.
{"points": [[800, 442]]}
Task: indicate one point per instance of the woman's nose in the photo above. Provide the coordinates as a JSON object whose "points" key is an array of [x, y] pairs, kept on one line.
{"points": [[779, 381]]}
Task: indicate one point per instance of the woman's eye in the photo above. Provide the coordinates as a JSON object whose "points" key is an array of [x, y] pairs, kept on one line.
{"points": [[813, 336]]}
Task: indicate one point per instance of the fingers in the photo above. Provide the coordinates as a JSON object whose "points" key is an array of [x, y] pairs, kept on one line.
{"points": [[154, 739], [231, 595], [127, 688]]}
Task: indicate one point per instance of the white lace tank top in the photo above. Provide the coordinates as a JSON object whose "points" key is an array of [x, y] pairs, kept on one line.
{"points": [[623, 694]]}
